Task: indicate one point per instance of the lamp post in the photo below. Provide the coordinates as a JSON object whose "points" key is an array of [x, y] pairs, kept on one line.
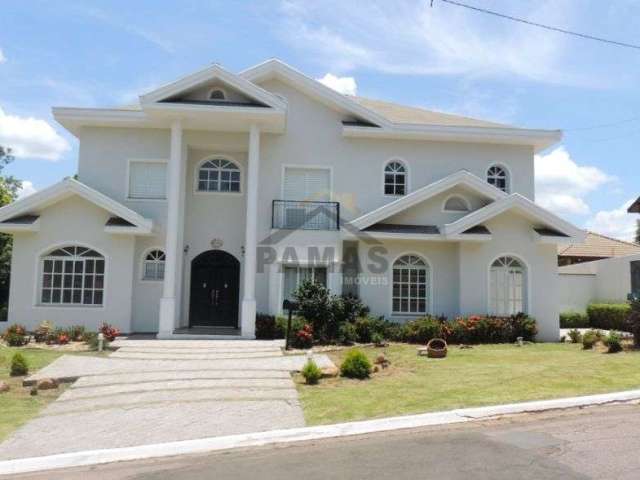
{"points": [[290, 307]]}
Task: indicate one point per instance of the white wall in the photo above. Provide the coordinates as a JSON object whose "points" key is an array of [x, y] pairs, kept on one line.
{"points": [[610, 280], [72, 221], [576, 291]]}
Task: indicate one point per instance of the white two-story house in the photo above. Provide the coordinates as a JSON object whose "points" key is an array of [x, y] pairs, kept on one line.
{"points": [[214, 196]]}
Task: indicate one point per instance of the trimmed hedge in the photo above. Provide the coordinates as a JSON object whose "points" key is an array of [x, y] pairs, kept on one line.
{"points": [[609, 316], [573, 319]]}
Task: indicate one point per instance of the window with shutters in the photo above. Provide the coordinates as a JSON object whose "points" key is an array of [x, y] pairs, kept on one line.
{"points": [[148, 180], [306, 200], [311, 184]]}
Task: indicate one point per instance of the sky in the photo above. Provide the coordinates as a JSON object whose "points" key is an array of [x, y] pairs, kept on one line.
{"points": [[447, 58]]}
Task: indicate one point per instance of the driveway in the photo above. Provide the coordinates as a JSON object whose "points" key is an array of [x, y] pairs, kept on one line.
{"points": [[153, 391]]}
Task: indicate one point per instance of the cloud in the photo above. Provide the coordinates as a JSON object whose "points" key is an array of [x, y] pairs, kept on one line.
{"points": [[344, 85], [411, 38], [27, 189], [2, 57], [31, 137], [562, 184], [616, 223]]}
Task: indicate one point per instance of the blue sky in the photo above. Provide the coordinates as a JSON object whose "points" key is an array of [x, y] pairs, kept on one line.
{"points": [[79, 53]]}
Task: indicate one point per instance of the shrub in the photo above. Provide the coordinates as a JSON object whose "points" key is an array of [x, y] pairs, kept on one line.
{"points": [[355, 365], [304, 337], [297, 323], [614, 342], [490, 329], [589, 339], [575, 336], [16, 336], [265, 326], [311, 373], [421, 330], [19, 365], [633, 321], [368, 327], [377, 339], [109, 331], [76, 332], [316, 306], [573, 319], [347, 333], [348, 308], [41, 334], [608, 316]]}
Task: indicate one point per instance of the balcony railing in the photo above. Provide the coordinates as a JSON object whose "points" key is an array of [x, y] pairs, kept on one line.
{"points": [[303, 215]]}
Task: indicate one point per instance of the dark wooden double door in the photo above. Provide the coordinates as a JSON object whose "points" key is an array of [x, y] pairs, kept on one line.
{"points": [[215, 290]]}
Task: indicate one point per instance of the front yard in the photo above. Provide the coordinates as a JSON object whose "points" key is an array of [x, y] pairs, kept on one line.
{"points": [[17, 406], [482, 375]]}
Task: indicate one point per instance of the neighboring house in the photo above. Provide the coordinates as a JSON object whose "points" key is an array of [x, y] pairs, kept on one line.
{"points": [[595, 247], [216, 195]]}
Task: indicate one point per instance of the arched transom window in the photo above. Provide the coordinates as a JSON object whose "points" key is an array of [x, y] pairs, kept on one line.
{"points": [[395, 178], [507, 286], [410, 285], [217, 94], [498, 177], [72, 275], [456, 203], [219, 175], [153, 267]]}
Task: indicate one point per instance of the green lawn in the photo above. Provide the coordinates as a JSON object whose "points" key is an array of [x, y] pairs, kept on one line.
{"points": [[483, 375], [17, 406]]}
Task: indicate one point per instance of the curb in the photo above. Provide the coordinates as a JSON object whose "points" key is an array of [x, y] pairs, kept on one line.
{"points": [[205, 445]]}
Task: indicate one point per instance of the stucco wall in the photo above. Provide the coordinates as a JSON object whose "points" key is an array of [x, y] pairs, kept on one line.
{"points": [[576, 291], [72, 221]]}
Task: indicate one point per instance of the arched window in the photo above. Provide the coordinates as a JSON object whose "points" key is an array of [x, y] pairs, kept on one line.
{"points": [[219, 175], [498, 177], [217, 94], [456, 203], [410, 285], [153, 265], [72, 275], [507, 286], [395, 178]]}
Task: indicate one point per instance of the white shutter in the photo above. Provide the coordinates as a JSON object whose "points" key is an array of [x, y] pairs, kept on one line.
{"points": [[148, 180], [307, 184]]}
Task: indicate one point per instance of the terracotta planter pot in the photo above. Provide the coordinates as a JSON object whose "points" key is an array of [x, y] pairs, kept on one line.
{"points": [[436, 348]]}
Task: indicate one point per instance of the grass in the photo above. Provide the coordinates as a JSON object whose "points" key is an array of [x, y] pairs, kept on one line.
{"points": [[17, 406], [483, 375]]}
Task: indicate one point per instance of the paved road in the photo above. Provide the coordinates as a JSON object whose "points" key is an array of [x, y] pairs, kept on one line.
{"points": [[598, 443]]}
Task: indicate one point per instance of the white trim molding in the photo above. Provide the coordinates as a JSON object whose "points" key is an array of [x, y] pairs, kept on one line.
{"points": [[67, 188], [461, 177]]}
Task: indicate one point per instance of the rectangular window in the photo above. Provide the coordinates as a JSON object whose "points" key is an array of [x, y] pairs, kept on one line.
{"points": [[148, 180], [294, 276], [72, 282]]}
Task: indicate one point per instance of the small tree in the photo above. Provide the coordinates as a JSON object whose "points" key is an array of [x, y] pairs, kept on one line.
{"points": [[9, 187], [637, 239], [634, 320], [315, 305]]}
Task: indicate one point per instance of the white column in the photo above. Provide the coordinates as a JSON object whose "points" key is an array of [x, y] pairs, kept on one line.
{"points": [[248, 312], [172, 255]]}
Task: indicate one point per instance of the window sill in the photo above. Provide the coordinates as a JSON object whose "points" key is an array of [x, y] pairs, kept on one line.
{"points": [[232, 194], [67, 306], [138, 199]]}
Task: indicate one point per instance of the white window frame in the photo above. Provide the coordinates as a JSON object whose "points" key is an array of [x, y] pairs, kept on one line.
{"points": [[224, 92], [407, 177], [307, 167], [526, 290], [508, 177], [143, 262], [221, 156], [39, 276], [281, 273], [128, 179], [429, 301], [461, 197]]}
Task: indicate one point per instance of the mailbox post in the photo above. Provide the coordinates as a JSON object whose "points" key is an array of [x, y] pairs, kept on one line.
{"points": [[290, 307]]}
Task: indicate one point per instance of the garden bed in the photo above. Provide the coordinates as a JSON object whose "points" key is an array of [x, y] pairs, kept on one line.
{"points": [[478, 376]]}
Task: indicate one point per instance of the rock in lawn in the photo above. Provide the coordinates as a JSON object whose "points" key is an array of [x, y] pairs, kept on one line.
{"points": [[4, 387], [34, 391], [47, 384], [331, 371], [382, 360]]}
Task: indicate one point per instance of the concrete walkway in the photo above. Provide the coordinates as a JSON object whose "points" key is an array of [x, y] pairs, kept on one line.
{"points": [[154, 391]]}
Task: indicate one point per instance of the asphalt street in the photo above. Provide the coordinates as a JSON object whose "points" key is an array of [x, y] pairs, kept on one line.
{"points": [[598, 443]]}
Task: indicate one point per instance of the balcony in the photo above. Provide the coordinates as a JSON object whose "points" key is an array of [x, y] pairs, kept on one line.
{"points": [[303, 215]]}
